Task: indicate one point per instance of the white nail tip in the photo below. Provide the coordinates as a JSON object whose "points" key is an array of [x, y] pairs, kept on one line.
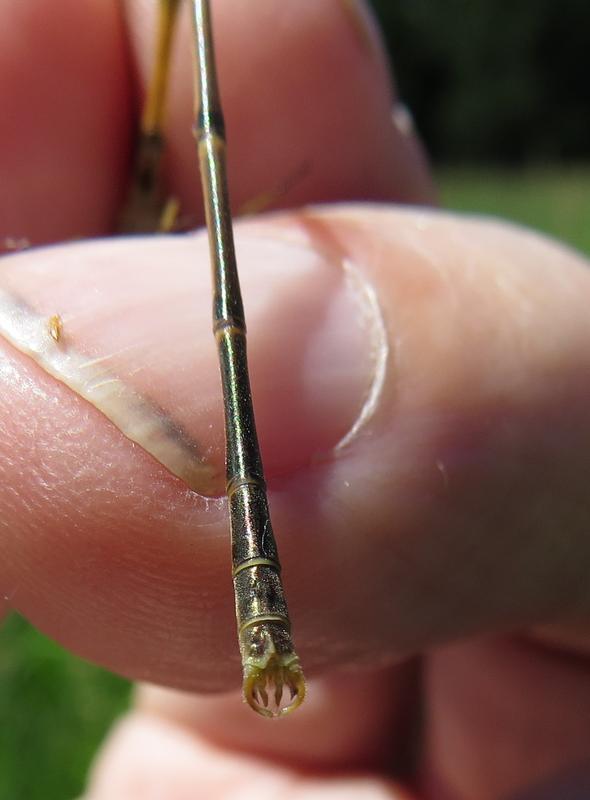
{"points": [[44, 339], [370, 310]]}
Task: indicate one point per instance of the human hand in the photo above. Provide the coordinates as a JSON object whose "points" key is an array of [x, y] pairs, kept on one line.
{"points": [[421, 386]]}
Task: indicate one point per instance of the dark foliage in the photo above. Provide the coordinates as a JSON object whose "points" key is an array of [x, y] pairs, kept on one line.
{"points": [[493, 79]]}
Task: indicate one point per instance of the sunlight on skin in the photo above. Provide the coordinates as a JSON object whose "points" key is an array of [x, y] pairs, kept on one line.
{"points": [[427, 268], [131, 570]]}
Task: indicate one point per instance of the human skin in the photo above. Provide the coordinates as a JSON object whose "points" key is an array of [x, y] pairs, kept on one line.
{"points": [[435, 558]]}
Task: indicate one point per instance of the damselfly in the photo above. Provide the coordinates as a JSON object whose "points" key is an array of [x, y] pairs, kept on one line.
{"points": [[273, 681]]}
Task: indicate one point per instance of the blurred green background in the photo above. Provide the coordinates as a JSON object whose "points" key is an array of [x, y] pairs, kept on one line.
{"points": [[499, 94]]}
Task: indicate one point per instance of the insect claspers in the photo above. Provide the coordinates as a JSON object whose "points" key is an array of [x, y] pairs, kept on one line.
{"points": [[273, 681]]}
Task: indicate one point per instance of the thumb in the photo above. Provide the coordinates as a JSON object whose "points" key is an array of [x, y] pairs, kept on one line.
{"points": [[421, 384]]}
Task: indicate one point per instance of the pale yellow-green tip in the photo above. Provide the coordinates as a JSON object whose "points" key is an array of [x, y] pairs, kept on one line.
{"points": [[276, 688]]}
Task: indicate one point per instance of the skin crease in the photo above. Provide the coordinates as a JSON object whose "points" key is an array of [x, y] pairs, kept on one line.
{"points": [[440, 515]]}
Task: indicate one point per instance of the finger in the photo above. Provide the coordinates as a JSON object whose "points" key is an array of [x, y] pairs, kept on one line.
{"points": [[67, 99], [349, 721], [148, 755], [507, 720], [420, 380], [66, 119], [308, 104]]}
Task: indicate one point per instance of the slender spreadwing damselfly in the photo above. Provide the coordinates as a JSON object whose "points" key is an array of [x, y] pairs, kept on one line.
{"points": [[273, 680]]}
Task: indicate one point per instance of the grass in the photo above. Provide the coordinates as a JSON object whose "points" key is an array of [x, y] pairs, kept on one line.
{"points": [[553, 200], [54, 708], [54, 711]]}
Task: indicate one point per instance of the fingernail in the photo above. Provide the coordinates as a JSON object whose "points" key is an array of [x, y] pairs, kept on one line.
{"points": [[363, 24], [316, 341], [403, 119], [127, 325]]}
